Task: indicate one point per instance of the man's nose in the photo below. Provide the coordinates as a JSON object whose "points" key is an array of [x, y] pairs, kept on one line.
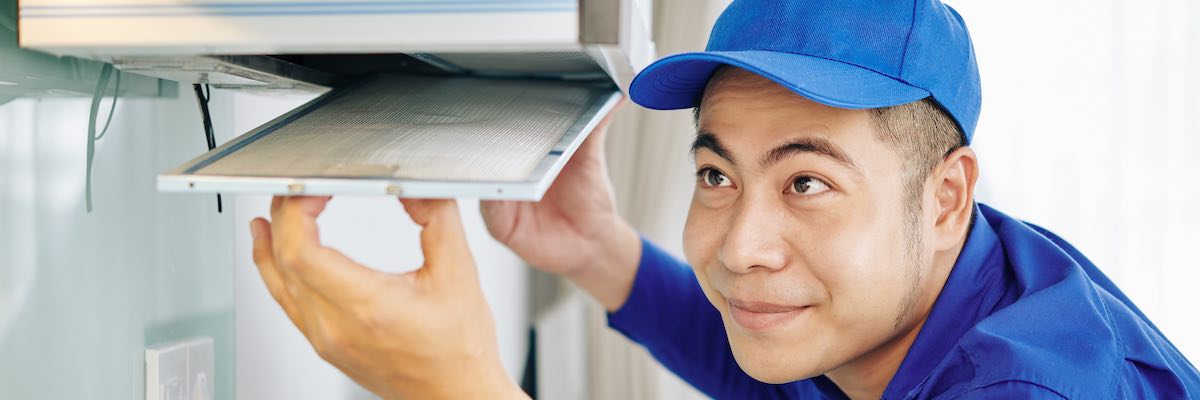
{"points": [[755, 239]]}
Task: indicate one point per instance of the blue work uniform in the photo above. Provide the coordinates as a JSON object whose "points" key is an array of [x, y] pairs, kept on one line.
{"points": [[1023, 315]]}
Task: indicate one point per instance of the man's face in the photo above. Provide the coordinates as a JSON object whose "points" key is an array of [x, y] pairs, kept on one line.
{"points": [[799, 230]]}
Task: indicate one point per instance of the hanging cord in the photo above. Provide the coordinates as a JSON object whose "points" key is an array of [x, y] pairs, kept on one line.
{"points": [[203, 94], [106, 72], [111, 109]]}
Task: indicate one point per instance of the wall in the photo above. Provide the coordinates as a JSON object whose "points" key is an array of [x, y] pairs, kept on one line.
{"points": [[82, 295], [1089, 129]]}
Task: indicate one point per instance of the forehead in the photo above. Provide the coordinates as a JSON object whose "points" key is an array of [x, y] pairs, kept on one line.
{"points": [[740, 107]]}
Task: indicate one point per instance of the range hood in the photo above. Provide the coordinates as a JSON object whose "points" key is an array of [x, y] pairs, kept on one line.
{"points": [[463, 98]]}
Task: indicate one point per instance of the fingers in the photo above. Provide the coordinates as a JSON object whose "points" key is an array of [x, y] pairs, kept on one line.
{"points": [[500, 216], [589, 158], [264, 258], [593, 145], [307, 266], [294, 232], [296, 219], [443, 240], [601, 129]]}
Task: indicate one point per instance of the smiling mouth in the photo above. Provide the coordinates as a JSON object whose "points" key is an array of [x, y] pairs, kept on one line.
{"points": [[761, 317]]}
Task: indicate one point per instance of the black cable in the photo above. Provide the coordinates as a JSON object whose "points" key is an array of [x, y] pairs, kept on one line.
{"points": [[203, 94], [101, 85], [113, 109]]}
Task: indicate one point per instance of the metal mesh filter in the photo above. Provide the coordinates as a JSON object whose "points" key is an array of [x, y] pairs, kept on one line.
{"points": [[525, 63], [424, 128]]}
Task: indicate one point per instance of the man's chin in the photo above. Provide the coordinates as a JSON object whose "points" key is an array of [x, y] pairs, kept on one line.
{"points": [[781, 375], [775, 364]]}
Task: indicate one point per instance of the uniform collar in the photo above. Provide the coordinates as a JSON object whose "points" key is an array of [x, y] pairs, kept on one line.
{"points": [[976, 286]]}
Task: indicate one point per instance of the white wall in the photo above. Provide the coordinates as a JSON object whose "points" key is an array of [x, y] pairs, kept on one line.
{"points": [[1089, 129], [82, 295]]}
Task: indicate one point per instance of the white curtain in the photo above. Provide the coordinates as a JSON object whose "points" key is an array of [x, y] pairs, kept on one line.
{"points": [[1088, 129], [651, 169]]}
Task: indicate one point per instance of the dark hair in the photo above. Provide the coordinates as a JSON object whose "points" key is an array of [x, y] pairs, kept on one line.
{"points": [[922, 133]]}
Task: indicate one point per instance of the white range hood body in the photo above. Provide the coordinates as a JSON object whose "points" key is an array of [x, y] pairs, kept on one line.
{"points": [[586, 46], [613, 33]]}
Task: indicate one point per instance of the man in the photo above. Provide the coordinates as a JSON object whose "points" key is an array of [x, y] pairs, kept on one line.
{"points": [[836, 249]]}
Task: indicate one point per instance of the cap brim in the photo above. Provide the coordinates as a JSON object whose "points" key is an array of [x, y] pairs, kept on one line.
{"points": [[678, 81]]}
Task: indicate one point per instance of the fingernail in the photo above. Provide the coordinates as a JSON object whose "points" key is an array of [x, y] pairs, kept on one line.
{"points": [[253, 230]]}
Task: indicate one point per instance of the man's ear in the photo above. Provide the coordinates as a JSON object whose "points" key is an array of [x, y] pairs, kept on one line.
{"points": [[954, 197]]}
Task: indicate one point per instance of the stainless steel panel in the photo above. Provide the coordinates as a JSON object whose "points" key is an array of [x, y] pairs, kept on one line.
{"points": [[230, 72], [600, 21]]}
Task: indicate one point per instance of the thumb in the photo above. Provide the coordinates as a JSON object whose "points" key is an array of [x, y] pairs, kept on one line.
{"points": [[500, 216], [443, 240], [601, 130]]}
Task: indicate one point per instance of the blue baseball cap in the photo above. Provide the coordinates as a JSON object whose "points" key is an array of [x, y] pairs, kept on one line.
{"points": [[847, 54]]}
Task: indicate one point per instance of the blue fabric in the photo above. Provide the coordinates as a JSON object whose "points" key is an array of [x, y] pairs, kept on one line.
{"points": [[848, 54], [1022, 315]]}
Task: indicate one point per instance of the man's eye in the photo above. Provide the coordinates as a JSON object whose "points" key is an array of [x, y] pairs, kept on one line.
{"points": [[808, 185], [710, 177]]}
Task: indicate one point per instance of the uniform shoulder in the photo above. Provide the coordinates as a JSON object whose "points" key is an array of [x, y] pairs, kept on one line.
{"points": [[1061, 339], [1012, 389]]}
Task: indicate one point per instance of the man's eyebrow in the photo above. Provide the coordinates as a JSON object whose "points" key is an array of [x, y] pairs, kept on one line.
{"points": [[815, 145], [706, 140]]}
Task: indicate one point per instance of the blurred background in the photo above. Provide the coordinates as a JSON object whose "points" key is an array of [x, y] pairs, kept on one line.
{"points": [[1089, 128]]}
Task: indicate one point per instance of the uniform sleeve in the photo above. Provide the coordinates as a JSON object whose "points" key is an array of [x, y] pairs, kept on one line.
{"points": [[1012, 390], [667, 313]]}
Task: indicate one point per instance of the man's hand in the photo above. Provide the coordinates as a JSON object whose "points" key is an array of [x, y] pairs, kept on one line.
{"points": [[575, 230], [424, 334]]}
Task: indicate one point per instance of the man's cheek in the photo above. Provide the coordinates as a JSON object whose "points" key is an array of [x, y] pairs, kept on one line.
{"points": [[701, 244], [703, 278], [697, 238]]}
